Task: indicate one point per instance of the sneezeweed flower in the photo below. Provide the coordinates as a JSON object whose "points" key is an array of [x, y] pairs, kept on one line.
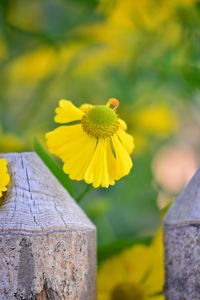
{"points": [[135, 274], [4, 176], [157, 119], [150, 122], [92, 142]]}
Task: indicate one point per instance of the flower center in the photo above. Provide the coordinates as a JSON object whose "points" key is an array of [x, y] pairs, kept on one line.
{"points": [[127, 291], [100, 121]]}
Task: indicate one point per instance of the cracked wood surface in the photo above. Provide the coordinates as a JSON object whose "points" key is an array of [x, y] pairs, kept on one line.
{"points": [[47, 244], [182, 244]]}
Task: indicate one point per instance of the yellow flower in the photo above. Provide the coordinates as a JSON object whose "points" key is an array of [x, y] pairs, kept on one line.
{"points": [[96, 148], [4, 176], [159, 119], [9, 142], [40, 63], [135, 274]]}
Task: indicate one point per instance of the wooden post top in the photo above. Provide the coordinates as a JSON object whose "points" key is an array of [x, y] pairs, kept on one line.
{"points": [[36, 203], [186, 209]]}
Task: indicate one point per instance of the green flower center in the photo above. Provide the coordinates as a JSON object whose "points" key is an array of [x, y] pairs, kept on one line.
{"points": [[127, 291], [100, 122], [102, 115]]}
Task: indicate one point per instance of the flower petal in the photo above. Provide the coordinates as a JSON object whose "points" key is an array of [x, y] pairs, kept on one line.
{"points": [[127, 140], [111, 162], [123, 162], [4, 175], [78, 161], [67, 112], [61, 136], [85, 107], [154, 281], [122, 124], [74, 147], [97, 172]]}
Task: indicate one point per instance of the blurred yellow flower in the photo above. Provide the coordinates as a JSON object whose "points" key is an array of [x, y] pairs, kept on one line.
{"points": [[9, 142], [135, 274], [96, 148], [33, 66], [158, 119], [121, 34], [4, 176], [42, 62]]}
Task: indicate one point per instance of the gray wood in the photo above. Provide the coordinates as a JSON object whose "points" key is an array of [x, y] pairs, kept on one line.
{"points": [[47, 243], [182, 244]]}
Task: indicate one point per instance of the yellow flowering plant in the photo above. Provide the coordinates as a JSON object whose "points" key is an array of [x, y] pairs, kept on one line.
{"points": [[4, 176], [135, 274], [92, 142]]}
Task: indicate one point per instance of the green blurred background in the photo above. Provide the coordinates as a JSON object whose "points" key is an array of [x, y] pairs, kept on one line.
{"points": [[145, 53]]}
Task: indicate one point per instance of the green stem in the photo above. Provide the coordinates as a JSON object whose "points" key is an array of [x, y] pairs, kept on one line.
{"points": [[84, 193]]}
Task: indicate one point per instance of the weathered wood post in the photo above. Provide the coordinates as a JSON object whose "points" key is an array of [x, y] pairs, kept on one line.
{"points": [[47, 244], [182, 244]]}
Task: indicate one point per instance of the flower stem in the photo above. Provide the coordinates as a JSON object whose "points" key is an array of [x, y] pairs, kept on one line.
{"points": [[83, 194]]}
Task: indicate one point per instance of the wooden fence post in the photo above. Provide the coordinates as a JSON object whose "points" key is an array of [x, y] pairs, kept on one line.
{"points": [[47, 244], [182, 244]]}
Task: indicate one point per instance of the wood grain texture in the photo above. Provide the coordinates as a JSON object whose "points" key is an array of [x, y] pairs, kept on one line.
{"points": [[182, 244], [47, 244], [182, 263]]}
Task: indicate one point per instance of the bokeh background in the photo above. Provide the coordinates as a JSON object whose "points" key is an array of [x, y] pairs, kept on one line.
{"points": [[145, 53]]}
